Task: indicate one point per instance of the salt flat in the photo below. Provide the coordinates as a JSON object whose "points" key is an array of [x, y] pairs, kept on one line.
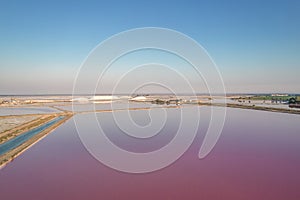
{"points": [[11, 122]]}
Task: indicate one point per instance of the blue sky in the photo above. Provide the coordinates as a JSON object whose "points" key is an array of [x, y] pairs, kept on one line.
{"points": [[256, 44]]}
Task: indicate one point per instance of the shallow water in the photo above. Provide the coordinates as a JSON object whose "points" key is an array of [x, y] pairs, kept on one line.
{"points": [[26, 110], [256, 157]]}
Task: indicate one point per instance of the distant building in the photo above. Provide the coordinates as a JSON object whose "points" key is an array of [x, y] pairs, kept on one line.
{"points": [[28, 101], [279, 95]]}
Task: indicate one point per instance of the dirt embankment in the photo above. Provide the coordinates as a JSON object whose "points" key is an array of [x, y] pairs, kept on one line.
{"points": [[253, 107], [19, 129], [9, 156]]}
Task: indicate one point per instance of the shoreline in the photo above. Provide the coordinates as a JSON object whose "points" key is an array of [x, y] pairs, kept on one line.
{"points": [[249, 107], [20, 129], [14, 153]]}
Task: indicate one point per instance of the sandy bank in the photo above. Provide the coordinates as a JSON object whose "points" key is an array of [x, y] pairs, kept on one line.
{"points": [[11, 155]]}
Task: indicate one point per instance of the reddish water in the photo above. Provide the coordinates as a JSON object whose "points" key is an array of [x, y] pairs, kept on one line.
{"points": [[257, 157]]}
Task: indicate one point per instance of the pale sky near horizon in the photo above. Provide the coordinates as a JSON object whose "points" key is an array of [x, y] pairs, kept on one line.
{"points": [[255, 44]]}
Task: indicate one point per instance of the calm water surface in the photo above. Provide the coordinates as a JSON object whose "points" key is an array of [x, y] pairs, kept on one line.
{"points": [[26, 110], [256, 157], [107, 106]]}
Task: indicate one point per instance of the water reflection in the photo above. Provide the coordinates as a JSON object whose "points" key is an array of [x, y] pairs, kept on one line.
{"points": [[257, 157]]}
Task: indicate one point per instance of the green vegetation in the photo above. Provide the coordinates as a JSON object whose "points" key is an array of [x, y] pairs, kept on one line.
{"points": [[266, 98], [158, 101], [271, 98]]}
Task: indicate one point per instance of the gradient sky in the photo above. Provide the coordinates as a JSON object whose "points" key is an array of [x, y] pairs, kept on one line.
{"points": [[255, 44]]}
